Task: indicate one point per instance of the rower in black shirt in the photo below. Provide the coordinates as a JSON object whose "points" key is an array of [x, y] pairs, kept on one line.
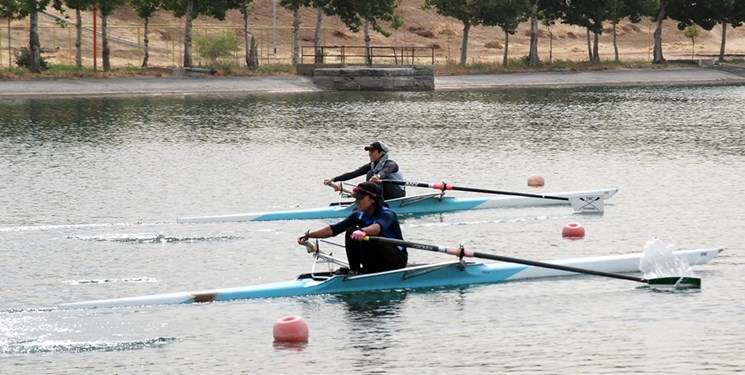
{"points": [[371, 218]]}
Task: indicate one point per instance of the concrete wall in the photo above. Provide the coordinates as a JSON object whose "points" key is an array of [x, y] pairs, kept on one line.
{"points": [[376, 78]]}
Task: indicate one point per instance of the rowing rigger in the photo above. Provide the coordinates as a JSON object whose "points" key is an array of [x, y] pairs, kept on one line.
{"points": [[456, 273], [414, 205]]}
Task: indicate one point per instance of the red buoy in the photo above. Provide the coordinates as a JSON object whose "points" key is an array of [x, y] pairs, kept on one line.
{"points": [[290, 329], [573, 231], [536, 181]]}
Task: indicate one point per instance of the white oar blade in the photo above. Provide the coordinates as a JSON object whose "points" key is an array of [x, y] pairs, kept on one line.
{"points": [[588, 203]]}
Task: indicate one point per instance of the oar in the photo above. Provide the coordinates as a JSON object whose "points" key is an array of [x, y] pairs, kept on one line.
{"points": [[580, 203], [677, 282], [338, 187]]}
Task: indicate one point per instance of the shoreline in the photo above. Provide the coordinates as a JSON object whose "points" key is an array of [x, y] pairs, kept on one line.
{"points": [[272, 85]]}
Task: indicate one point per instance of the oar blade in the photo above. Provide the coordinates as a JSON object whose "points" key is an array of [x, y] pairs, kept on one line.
{"points": [[588, 203], [675, 282]]}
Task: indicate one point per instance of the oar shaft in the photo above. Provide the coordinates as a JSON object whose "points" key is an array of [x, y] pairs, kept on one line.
{"points": [[474, 254], [444, 186]]}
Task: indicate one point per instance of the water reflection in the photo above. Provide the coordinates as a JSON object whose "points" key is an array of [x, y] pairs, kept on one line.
{"points": [[372, 320]]}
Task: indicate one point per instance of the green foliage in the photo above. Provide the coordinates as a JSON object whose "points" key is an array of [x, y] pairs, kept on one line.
{"points": [[354, 13], [146, 8], [466, 11], [23, 59], [12, 9], [691, 32], [507, 14], [217, 48], [212, 8]]}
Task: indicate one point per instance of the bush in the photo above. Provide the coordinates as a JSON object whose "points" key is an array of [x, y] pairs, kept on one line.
{"points": [[23, 59], [217, 48]]}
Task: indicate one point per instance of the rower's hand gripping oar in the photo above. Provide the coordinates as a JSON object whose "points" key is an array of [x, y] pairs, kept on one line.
{"points": [[337, 187], [676, 282], [580, 203]]}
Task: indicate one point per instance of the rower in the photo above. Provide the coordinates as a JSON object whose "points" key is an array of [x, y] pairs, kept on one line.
{"points": [[372, 217], [380, 168]]}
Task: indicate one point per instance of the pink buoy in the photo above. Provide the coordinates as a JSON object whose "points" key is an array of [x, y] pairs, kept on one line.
{"points": [[573, 231], [290, 329], [536, 181]]}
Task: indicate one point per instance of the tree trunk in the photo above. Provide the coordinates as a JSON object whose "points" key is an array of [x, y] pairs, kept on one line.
{"points": [[589, 45], [34, 46], [615, 41], [188, 18], [296, 36], [693, 48], [253, 56], [146, 43], [595, 48], [78, 39], [366, 33], [724, 42], [317, 38], [506, 47], [10, 57], [550, 46], [246, 36], [661, 15], [105, 52], [533, 58], [464, 43]]}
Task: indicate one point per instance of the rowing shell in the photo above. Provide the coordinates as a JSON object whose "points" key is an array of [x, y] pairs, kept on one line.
{"points": [[446, 274], [415, 205]]}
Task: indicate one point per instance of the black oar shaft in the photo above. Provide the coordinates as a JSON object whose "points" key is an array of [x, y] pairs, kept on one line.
{"points": [[474, 254], [443, 186]]}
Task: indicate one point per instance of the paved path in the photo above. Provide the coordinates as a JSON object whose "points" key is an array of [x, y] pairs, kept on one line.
{"points": [[644, 77], [152, 86]]}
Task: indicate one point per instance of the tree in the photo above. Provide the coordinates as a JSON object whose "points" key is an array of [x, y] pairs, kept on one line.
{"points": [[10, 10], [32, 9], [190, 10], [507, 14], [466, 11], [106, 8], [633, 9], [691, 32], [549, 11], [294, 6], [366, 14], [248, 39], [78, 6], [589, 14], [145, 10], [533, 58]]}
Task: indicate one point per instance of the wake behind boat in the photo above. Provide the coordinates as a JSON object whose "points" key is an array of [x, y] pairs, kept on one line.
{"points": [[446, 274], [414, 205]]}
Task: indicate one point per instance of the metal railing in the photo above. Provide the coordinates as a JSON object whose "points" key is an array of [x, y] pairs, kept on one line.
{"points": [[396, 55]]}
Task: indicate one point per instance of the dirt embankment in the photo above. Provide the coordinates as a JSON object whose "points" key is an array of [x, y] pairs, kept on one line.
{"points": [[421, 28]]}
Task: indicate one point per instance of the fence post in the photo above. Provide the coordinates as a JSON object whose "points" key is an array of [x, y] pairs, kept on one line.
{"points": [[433, 55]]}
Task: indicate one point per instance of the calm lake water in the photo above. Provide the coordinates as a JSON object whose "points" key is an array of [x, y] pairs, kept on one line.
{"points": [[90, 190]]}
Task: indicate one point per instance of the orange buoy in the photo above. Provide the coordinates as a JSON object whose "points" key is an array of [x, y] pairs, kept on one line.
{"points": [[573, 231], [536, 181], [290, 329]]}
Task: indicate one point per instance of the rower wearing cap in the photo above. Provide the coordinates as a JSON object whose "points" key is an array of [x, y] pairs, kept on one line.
{"points": [[372, 217], [380, 168]]}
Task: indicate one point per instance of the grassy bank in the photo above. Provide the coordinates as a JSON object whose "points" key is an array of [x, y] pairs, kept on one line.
{"points": [[71, 71]]}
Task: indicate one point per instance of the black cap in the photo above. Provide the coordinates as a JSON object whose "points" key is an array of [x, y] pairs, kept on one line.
{"points": [[377, 145], [367, 188]]}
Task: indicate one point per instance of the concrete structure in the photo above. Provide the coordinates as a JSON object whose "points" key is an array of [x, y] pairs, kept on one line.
{"points": [[375, 78]]}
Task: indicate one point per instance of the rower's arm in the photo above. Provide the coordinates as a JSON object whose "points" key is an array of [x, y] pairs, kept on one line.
{"points": [[372, 230], [324, 232], [361, 171]]}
